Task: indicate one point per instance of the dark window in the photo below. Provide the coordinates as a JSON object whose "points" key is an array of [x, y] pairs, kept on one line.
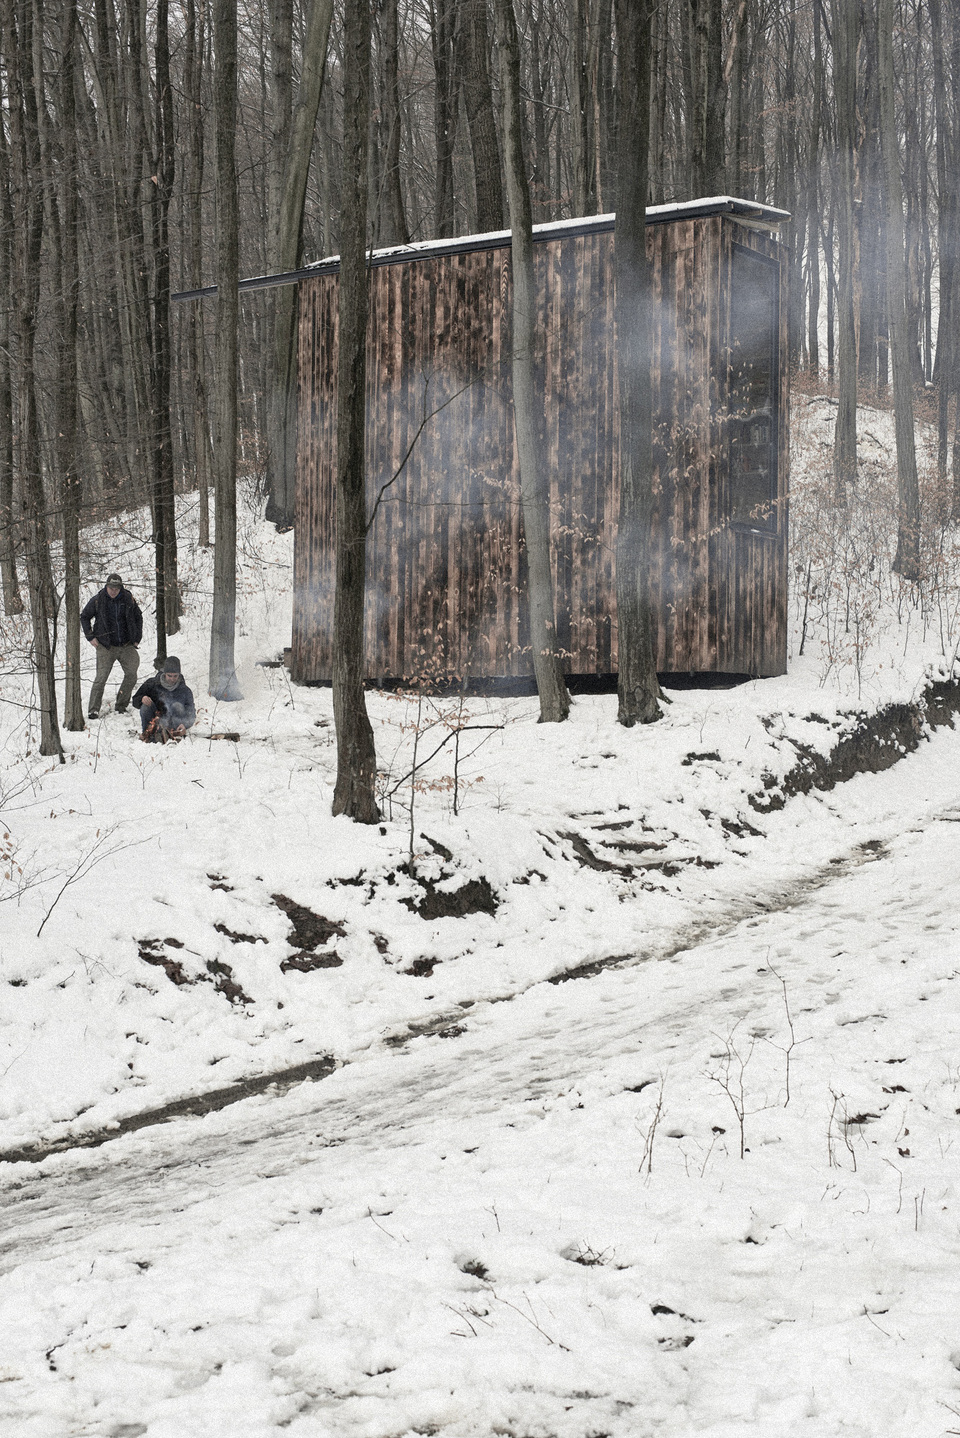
{"points": [[753, 388]]}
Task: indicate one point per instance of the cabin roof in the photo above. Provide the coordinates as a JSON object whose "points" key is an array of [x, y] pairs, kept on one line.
{"points": [[749, 212]]}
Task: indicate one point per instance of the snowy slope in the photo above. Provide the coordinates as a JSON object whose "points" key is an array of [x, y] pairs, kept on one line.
{"points": [[498, 1232], [512, 1239]]}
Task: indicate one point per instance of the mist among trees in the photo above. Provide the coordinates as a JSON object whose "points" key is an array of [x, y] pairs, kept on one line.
{"points": [[138, 159]]}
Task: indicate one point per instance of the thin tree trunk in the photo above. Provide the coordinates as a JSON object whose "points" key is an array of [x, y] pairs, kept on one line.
{"points": [[948, 220], [527, 398], [192, 222], [137, 203], [907, 561], [19, 21], [282, 412], [445, 114], [733, 82], [709, 97], [67, 376], [581, 126], [813, 200], [223, 674], [637, 685], [162, 191], [474, 47], [281, 96], [845, 25], [12, 601], [395, 229], [354, 794]]}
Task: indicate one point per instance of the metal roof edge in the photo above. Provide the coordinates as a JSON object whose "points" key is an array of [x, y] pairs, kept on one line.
{"points": [[749, 212]]}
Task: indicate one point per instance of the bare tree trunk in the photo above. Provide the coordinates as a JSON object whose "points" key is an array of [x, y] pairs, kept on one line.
{"points": [[354, 794], [12, 602], [527, 401], [162, 191], [67, 376], [19, 18], [282, 442], [581, 125], [948, 219], [813, 199], [193, 245], [907, 561], [844, 28], [395, 229], [734, 73], [708, 99], [445, 114], [281, 96], [474, 47], [223, 673], [637, 685]]}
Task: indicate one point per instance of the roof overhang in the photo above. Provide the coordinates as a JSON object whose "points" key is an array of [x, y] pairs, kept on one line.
{"points": [[745, 212]]}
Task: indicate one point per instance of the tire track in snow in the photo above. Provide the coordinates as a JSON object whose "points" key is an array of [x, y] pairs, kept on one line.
{"points": [[546, 1041], [450, 1023]]}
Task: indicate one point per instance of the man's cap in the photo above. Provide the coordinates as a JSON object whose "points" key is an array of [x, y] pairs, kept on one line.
{"points": [[114, 579], [171, 665]]}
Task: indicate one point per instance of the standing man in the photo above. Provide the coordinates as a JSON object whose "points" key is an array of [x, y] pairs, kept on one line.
{"points": [[113, 624]]}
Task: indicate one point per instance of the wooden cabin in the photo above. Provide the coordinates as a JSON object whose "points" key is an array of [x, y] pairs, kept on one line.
{"points": [[446, 569]]}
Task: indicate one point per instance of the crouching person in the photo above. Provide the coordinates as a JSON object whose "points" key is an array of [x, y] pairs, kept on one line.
{"points": [[166, 705]]}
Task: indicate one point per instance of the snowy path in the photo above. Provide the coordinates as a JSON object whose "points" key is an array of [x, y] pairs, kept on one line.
{"points": [[461, 1236]]}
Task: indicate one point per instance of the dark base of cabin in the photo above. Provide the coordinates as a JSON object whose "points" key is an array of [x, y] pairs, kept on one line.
{"points": [[522, 686]]}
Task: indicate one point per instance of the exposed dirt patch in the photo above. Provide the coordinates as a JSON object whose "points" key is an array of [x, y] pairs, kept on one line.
{"points": [[151, 952], [305, 962], [476, 896], [309, 930], [739, 828], [439, 848], [589, 859], [224, 982], [421, 968], [236, 938], [279, 1081], [589, 971], [877, 742], [630, 846], [220, 975]]}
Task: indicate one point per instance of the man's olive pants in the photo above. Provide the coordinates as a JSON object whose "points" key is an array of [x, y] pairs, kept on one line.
{"points": [[129, 660]]}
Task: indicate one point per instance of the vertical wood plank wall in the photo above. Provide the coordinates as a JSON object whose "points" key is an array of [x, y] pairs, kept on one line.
{"points": [[445, 563]]}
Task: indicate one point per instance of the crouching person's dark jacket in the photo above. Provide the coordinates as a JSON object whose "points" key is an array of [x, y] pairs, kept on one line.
{"points": [[174, 706]]}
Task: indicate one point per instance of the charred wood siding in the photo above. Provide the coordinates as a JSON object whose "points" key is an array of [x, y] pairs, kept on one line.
{"points": [[446, 566]]}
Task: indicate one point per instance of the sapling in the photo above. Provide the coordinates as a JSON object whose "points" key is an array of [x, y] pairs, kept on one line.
{"points": [[731, 1078], [89, 860], [842, 1126], [786, 1050], [650, 1134]]}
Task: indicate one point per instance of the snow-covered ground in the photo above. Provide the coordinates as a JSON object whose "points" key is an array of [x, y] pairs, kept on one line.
{"points": [[517, 1206]]}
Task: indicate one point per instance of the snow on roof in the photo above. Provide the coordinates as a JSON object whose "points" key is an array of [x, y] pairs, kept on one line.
{"points": [[588, 224], [747, 211]]}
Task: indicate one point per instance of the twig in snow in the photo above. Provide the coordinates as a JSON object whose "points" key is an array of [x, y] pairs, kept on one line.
{"points": [[787, 1050], [371, 1215], [88, 861], [530, 1318], [651, 1132]]}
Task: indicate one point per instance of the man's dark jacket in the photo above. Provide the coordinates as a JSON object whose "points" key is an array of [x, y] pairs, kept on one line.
{"points": [[174, 705], [112, 622]]}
